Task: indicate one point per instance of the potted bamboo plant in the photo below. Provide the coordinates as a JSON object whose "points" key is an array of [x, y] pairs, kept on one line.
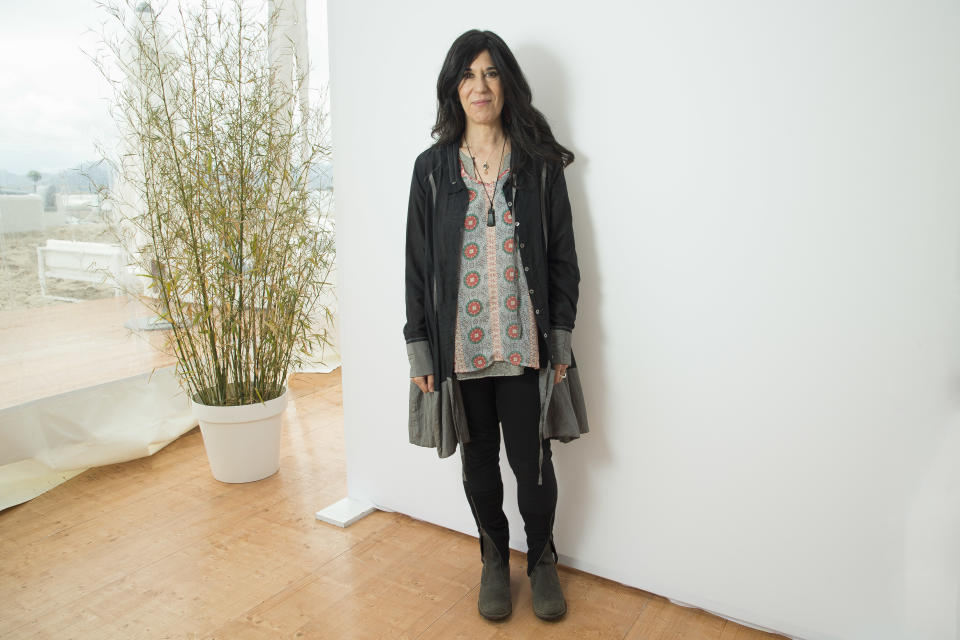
{"points": [[219, 172]]}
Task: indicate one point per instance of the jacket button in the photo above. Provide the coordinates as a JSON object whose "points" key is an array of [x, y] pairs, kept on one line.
{"points": [[537, 311], [522, 245], [544, 334], [531, 290], [518, 224], [526, 268], [510, 204]]}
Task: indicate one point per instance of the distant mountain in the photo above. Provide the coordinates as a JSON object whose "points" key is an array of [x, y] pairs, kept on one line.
{"points": [[73, 180], [76, 180], [79, 178], [11, 182]]}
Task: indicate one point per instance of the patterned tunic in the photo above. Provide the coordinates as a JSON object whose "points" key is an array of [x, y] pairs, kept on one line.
{"points": [[496, 330]]}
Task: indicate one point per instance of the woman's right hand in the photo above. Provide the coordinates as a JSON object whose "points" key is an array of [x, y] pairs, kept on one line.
{"points": [[424, 382]]}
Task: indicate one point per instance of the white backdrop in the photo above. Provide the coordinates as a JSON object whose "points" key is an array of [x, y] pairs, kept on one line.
{"points": [[767, 216]]}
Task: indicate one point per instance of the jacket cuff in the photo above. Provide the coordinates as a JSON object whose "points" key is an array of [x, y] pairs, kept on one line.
{"points": [[560, 340], [421, 360]]}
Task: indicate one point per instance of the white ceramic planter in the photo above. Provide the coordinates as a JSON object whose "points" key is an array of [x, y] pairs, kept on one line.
{"points": [[242, 442]]}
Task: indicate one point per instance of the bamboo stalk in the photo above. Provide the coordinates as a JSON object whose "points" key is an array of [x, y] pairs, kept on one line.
{"points": [[222, 184]]}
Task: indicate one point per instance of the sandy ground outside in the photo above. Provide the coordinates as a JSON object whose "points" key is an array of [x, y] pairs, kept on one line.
{"points": [[20, 284], [19, 277]]}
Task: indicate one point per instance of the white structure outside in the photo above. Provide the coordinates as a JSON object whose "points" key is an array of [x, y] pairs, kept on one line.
{"points": [[94, 262], [20, 213]]}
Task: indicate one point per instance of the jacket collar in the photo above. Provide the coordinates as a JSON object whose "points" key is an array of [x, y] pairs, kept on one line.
{"points": [[454, 182]]}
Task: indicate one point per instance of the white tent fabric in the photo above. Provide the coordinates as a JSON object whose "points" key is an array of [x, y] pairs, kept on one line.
{"points": [[50, 440]]}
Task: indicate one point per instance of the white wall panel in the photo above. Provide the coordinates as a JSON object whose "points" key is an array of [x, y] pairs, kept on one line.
{"points": [[767, 217]]}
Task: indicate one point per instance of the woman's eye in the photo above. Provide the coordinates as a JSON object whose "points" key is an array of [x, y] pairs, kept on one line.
{"points": [[492, 74]]}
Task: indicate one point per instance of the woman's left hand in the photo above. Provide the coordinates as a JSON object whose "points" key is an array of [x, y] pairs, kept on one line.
{"points": [[559, 372]]}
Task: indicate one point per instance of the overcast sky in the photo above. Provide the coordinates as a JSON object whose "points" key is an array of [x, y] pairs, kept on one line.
{"points": [[53, 101]]}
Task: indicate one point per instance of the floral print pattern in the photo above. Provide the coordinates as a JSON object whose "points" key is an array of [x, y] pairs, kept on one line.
{"points": [[495, 317]]}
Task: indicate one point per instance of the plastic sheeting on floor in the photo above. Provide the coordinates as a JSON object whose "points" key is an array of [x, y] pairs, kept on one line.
{"points": [[48, 441], [45, 442]]}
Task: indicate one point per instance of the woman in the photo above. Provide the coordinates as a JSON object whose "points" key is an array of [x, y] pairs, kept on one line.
{"points": [[491, 297]]}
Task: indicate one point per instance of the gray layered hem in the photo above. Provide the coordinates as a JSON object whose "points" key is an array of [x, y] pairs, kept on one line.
{"points": [[437, 419], [495, 368]]}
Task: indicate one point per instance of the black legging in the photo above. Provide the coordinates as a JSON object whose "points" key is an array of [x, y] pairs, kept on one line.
{"points": [[513, 401]]}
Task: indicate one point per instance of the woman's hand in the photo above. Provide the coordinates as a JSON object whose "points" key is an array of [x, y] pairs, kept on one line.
{"points": [[559, 372], [424, 382]]}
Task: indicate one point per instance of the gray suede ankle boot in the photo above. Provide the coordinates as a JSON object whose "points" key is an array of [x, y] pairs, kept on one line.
{"points": [[494, 602], [548, 600]]}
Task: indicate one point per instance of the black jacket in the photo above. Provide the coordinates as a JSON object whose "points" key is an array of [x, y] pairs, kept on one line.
{"points": [[544, 236]]}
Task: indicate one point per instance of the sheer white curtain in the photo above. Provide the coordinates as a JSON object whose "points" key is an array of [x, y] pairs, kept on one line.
{"points": [[290, 59]]}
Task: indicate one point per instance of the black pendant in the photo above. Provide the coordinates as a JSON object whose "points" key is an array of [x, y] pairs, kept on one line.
{"points": [[491, 219]]}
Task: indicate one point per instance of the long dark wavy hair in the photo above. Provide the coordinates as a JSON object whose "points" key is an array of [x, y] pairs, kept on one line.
{"points": [[526, 126]]}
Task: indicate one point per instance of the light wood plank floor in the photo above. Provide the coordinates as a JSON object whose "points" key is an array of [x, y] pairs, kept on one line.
{"points": [[58, 348], [156, 548]]}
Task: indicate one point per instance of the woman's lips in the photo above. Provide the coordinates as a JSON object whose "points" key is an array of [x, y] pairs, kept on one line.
{"points": [[480, 103]]}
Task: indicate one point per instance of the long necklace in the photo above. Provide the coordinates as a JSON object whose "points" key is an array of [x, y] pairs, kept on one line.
{"points": [[491, 218], [486, 166]]}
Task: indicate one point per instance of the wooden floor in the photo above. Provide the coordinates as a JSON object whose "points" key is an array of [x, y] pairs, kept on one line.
{"points": [[156, 548], [62, 347]]}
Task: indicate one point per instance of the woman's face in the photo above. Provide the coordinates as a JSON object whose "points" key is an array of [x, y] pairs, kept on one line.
{"points": [[481, 94]]}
